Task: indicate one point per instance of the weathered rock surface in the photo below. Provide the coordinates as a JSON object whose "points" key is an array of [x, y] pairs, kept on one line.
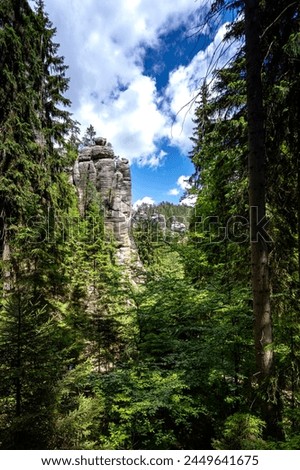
{"points": [[98, 166], [159, 220]]}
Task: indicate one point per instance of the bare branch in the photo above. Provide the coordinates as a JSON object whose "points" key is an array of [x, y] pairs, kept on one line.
{"points": [[278, 17]]}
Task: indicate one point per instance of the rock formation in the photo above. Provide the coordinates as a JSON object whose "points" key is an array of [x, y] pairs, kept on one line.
{"points": [[98, 167], [172, 225]]}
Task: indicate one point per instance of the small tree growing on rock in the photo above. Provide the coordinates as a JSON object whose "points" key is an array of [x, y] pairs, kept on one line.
{"points": [[89, 136]]}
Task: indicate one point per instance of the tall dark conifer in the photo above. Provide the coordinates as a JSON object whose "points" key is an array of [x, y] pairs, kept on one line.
{"points": [[34, 194], [269, 114], [257, 191]]}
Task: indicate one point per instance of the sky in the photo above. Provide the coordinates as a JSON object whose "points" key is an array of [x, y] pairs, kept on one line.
{"points": [[135, 68]]}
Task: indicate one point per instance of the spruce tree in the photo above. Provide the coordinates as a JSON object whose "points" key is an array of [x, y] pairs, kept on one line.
{"points": [[270, 78], [88, 138], [34, 195]]}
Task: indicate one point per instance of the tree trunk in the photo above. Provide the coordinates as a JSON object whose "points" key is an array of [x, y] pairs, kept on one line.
{"points": [[257, 189], [270, 408]]}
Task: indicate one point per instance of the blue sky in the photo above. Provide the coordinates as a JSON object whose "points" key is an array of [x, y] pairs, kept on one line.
{"points": [[133, 66]]}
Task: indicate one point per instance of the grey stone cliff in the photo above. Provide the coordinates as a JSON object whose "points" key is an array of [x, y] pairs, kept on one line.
{"points": [[98, 166]]}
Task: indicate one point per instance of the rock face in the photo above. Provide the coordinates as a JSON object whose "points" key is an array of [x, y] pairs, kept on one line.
{"points": [[170, 225], [98, 167], [177, 226]]}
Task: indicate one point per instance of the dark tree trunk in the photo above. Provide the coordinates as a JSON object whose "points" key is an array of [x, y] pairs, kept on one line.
{"points": [[259, 238], [257, 189]]}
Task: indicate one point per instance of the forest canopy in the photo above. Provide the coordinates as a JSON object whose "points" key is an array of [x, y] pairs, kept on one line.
{"points": [[199, 347]]}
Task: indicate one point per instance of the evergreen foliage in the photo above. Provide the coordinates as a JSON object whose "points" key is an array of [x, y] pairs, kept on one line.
{"points": [[88, 138], [88, 358], [34, 193], [221, 180]]}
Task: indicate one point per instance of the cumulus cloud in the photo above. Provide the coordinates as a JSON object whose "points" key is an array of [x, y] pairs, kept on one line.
{"points": [[184, 84], [183, 182], [104, 44], [183, 186], [174, 192], [189, 200], [145, 200], [132, 121]]}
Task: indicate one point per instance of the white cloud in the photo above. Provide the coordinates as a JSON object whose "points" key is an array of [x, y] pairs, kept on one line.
{"points": [[183, 182], [185, 185], [132, 121], [104, 43], [174, 192], [145, 200], [184, 84], [182, 185], [189, 200], [153, 160]]}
